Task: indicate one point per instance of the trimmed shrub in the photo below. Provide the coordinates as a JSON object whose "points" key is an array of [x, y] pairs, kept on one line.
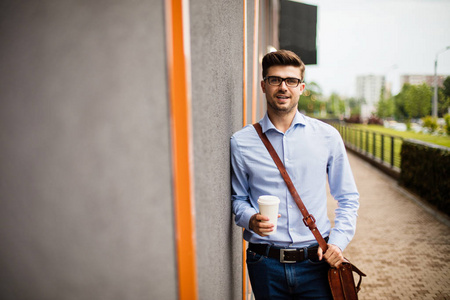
{"points": [[447, 124], [356, 119], [375, 120], [425, 170], [430, 123]]}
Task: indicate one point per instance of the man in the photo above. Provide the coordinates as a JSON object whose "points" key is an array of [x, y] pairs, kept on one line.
{"points": [[311, 152]]}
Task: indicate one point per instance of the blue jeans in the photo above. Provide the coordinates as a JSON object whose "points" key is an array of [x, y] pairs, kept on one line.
{"points": [[272, 279]]}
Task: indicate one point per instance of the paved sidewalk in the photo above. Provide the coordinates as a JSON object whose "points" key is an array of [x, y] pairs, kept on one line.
{"points": [[403, 249]]}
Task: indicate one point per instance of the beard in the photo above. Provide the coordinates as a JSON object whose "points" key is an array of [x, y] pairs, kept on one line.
{"points": [[281, 108]]}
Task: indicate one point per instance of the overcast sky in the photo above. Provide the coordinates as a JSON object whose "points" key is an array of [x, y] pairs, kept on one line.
{"points": [[380, 37]]}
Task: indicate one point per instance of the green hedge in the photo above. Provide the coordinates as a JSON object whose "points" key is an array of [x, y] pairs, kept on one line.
{"points": [[425, 170]]}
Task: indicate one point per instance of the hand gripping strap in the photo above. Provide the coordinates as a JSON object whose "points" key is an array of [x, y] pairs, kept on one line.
{"points": [[308, 219]]}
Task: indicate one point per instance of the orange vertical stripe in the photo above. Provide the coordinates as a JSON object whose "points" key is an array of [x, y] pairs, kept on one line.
{"points": [[244, 87], [244, 122], [255, 59], [180, 116], [245, 283]]}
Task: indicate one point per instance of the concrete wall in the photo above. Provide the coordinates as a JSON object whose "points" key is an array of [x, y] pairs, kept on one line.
{"points": [[86, 206], [85, 176], [217, 76]]}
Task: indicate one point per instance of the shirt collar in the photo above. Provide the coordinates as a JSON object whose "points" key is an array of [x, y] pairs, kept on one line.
{"points": [[266, 124]]}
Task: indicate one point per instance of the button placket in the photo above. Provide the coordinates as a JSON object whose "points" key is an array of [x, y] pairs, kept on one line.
{"points": [[286, 164]]}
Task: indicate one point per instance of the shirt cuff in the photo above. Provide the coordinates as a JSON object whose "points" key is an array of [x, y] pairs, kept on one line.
{"points": [[339, 240], [245, 218]]}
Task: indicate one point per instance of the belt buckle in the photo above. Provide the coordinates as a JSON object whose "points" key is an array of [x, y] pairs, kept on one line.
{"points": [[282, 260]]}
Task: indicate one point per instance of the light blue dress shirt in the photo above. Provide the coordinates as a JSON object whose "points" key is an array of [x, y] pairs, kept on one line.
{"points": [[312, 152]]}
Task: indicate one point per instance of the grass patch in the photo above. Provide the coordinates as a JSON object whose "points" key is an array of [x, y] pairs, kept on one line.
{"points": [[428, 138]]}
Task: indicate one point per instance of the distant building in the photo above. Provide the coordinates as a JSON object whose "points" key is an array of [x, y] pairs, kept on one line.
{"points": [[419, 79], [368, 88]]}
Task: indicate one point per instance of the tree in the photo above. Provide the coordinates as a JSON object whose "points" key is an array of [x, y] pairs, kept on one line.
{"points": [[335, 105], [446, 88], [444, 98], [309, 101], [418, 101], [385, 107], [413, 101], [399, 102], [355, 106]]}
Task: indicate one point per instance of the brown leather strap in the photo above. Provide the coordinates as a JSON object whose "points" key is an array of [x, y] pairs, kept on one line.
{"points": [[308, 219]]}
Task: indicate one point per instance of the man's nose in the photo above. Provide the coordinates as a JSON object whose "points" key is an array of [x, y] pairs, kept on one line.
{"points": [[283, 85]]}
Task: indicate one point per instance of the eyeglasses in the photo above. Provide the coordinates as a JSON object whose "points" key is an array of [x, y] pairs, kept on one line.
{"points": [[277, 81]]}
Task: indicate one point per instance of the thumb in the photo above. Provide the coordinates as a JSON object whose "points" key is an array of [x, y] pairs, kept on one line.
{"points": [[320, 253]]}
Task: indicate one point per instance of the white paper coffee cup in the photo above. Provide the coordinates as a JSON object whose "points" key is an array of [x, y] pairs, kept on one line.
{"points": [[268, 206]]}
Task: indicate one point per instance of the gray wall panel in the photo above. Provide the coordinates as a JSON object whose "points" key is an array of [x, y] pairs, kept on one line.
{"points": [[85, 203], [217, 57]]}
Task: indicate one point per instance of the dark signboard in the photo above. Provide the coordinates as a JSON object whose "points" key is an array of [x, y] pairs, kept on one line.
{"points": [[297, 31]]}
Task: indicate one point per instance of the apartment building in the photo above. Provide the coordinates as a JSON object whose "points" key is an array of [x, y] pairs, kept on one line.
{"points": [[420, 79], [368, 89]]}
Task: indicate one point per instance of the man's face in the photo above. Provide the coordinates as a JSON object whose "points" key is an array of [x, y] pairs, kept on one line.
{"points": [[282, 99]]}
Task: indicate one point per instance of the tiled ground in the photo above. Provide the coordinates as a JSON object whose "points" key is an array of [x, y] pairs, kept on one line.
{"points": [[404, 250]]}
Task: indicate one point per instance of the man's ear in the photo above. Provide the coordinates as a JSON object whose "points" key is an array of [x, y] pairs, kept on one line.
{"points": [[302, 87], [263, 86]]}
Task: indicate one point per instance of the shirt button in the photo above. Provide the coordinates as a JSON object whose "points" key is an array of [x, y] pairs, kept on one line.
{"points": [[290, 206]]}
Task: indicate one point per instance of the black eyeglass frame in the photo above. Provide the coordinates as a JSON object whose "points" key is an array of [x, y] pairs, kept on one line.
{"points": [[283, 79]]}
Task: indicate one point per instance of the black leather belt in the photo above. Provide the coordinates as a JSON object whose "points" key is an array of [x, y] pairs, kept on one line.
{"points": [[285, 255]]}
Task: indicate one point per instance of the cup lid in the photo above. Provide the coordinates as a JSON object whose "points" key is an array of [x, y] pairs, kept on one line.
{"points": [[268, 199]]}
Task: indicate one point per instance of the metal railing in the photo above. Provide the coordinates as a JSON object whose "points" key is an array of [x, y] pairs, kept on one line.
{"points": [[378, 146]]}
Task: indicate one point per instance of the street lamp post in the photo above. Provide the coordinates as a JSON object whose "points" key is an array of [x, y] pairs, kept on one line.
{"points": [[435, 96]]}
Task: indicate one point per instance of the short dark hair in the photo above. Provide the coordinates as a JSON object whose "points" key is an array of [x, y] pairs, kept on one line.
{"points": [[282, 58]]}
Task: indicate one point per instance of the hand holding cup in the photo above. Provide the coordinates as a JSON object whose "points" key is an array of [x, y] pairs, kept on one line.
{"points": [[265, 223]]}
